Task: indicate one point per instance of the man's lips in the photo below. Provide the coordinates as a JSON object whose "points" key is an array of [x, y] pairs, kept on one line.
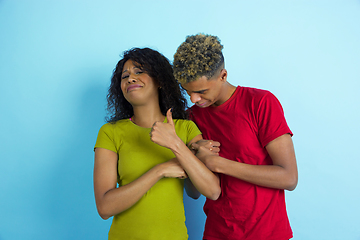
{"points": [[201, 104], [133, 86]]}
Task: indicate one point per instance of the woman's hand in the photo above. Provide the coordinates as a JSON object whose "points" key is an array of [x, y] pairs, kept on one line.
{"points": [[164, 134], [206, 182], [173, 169], [112, 200]]}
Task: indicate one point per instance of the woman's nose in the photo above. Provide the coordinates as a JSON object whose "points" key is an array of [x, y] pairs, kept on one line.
{"points": [[132, 79]]}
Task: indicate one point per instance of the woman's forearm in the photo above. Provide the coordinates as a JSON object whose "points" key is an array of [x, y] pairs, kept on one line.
{"points": [[205, 181], [119, 199]]}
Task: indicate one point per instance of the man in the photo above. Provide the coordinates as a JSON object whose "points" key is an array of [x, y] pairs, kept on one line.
{"points": [[257, 159]]}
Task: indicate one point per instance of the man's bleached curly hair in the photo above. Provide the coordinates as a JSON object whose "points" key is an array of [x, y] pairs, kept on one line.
{"points": [[200, 55]]}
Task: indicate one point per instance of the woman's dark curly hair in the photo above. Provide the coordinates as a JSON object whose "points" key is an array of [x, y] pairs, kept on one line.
{"points": [[159, 69]]}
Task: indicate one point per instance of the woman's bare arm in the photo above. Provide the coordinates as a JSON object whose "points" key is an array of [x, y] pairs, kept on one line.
{"points": [[110, 199], [205, 181]]}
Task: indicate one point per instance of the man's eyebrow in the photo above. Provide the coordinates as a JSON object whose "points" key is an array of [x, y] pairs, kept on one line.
{"points": [[199, 91]]}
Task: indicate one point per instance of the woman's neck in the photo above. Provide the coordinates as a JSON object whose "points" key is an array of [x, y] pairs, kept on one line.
{"points": [[145, 116]]}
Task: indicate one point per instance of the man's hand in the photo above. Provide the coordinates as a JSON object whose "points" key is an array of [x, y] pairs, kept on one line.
{"points": [[206, 156], [211, 145]]}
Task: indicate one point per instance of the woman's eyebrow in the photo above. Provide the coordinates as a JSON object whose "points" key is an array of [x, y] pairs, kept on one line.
{"points": [[135, 67]]}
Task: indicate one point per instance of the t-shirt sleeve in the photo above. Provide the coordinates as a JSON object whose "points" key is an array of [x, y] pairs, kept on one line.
{"points": [[105, 138], [193, 131], [271, 119]]}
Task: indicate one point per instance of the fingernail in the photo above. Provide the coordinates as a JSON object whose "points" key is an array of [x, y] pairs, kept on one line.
{"points": [[171, 110]]}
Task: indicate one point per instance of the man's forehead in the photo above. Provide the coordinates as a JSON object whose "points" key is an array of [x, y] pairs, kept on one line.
{"points": [[197, 85]]}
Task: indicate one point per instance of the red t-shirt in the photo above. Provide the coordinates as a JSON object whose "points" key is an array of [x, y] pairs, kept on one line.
{"points": [[244, 125]]}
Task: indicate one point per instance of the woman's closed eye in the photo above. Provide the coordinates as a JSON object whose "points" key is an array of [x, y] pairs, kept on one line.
{"points": [[137, 72]]}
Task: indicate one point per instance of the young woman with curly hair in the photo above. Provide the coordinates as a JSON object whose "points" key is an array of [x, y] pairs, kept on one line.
{"points": [[142, 161]]}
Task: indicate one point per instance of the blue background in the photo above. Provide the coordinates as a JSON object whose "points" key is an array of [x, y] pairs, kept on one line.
{"points": [[56, 60]]}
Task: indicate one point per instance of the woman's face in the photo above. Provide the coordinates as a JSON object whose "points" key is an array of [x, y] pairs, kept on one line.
{"points": [[137, 86]]}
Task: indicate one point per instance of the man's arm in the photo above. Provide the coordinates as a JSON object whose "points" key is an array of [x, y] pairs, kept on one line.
{"points": [[282, 174]]}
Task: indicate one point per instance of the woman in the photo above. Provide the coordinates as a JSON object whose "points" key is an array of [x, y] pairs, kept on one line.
{"points": [[143, 150]]}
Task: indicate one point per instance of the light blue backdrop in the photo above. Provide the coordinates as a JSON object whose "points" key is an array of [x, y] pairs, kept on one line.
{"points": [[56, 59]]}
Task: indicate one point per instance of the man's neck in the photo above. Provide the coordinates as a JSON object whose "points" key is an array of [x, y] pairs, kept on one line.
{"points": [[226, 92]]}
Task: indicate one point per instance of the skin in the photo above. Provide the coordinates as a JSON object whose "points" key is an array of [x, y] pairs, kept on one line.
{"points": [[112, 200], [282, 174]]}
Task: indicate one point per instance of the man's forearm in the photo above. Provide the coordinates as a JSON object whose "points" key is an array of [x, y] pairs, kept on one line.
{"points": [[271, 176]]}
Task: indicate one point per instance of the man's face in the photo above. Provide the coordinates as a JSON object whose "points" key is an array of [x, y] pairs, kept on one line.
{"points": [[205, 92]]}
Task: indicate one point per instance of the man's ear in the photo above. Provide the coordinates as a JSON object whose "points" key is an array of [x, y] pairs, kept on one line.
{"points": [[223, 75]]}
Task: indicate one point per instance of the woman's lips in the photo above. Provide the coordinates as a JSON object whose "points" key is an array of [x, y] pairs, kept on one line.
{"points": [[133, 86]]}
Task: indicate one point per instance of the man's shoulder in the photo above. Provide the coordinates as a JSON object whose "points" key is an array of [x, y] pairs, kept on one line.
{"points": [[256, 92], [256, 96]]}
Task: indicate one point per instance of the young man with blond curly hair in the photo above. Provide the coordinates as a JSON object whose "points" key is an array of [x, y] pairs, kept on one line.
{"points": [[257, 159]]}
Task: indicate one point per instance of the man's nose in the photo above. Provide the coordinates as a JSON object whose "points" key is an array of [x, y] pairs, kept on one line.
{"points": [[195, 97]]}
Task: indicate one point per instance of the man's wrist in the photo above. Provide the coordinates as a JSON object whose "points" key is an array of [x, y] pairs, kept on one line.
{"points": [[211, 162]]}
